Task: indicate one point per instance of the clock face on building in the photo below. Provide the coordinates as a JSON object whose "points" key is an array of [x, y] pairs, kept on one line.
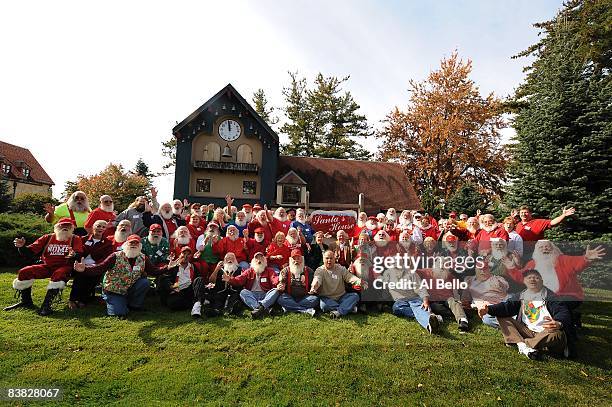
{"points": [[229, 130]]}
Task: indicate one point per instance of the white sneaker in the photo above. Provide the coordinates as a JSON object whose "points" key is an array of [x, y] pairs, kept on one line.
{"points": [[523, 349], [196, 311], [354, 311], [311, 312]]}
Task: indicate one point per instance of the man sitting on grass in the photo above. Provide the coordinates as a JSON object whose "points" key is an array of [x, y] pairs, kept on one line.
{"points": [[328, 283], [542, 321], [294, 283], [411, 298], [125, 283], [176, 290], [259, 282]]}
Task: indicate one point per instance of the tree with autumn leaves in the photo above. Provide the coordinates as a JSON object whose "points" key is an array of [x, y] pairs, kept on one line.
{"points": [[448, 135]]}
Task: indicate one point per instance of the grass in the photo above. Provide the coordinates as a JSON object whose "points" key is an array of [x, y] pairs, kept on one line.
{"points": [[162, 358]]}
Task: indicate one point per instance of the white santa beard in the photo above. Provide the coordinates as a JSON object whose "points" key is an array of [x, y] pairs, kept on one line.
{"points": [[183, 240], [405, 243], [380, 243], [120, 236], [108, 208], [259, 239], [392, 217], [233, 237], [405, 222], [471, 229], [259, 268], [301, 219], [296, 269], [241, 223], [361, 223], [230, 267], [154, 239], [371, 226], [489, 228], [62, 235], [292, 240], [281, 218], [545, 265], [249, 216], [166, 215], [498, 254], [131, 252], [78, 206], [177, 211]]}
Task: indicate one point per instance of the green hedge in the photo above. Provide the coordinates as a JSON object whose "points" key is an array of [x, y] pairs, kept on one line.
{"points": [[14, 225]]}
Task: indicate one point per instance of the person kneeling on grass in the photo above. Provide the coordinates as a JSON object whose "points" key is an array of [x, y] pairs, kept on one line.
{"points": [[411, 298], [328, 283], [57, 251], [294, 283], [542, 320], [259, 282], [125, 283]]}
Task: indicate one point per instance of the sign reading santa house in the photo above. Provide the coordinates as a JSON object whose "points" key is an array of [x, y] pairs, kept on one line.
{"points": [[333, 221]]}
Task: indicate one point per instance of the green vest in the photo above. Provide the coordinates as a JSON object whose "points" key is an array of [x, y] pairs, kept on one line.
{"points": [[122, 275]]}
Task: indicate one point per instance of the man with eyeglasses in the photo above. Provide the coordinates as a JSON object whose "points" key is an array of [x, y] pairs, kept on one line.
{"points": [[105, 212]]}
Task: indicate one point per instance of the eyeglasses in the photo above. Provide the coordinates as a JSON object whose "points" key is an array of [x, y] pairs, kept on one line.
{"points": [[107, 202]]}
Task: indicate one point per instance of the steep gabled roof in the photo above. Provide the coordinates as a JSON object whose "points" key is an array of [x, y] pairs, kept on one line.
{"points": [[231, 90], [384, 184], [12, 154]]}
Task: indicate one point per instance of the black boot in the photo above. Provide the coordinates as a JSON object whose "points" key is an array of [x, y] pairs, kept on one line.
{"points": [[45, 308], [26, 299]]}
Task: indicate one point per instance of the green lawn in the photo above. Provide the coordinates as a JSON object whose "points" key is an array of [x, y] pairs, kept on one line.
{"points": [[162, 358]]}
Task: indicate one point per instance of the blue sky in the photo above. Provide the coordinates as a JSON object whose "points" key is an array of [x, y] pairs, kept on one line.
{"points": [[75, 73]]}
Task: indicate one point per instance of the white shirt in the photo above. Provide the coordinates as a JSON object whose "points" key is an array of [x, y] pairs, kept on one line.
{"points": [[184, 276], [533, 311]]}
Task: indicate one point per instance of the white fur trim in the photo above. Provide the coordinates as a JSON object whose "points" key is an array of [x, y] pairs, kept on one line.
{"points": [[22, 284], [56, 284]]}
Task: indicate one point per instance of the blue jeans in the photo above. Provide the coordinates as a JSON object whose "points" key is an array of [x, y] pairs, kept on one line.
{"points": [[412, 309], [117, 304], [490, 320], [291, 305], [254, 299], [344, 305]]}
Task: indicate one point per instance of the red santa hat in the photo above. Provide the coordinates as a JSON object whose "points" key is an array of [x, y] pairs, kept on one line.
{"points": [[66, 221], [247, 206], [133, 238], [259, 230], [155, 226], [296, 252]]}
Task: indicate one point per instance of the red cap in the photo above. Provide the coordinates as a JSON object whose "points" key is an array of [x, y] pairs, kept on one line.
{"points": [[258, 254], [213, 224], [450, 238], [64, 221], [155, 226], [256, 206], [247, 205], [372, 218], [186, 249], [296, 252], [133, 238], [259, 230]]}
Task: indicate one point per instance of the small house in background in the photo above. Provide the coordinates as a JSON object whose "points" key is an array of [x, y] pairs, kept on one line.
{"points": [[22, 172], [225, 147]]}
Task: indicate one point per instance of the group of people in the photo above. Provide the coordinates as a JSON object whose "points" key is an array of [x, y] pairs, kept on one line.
{"points": [[216, 260]]}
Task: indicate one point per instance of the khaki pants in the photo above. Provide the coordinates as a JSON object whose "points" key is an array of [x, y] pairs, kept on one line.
{"points": [[550, 340], [442, 307]]}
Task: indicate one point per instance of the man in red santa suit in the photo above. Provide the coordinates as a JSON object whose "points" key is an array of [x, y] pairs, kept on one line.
{"points": [[559, 271], [57, 252], [123, 230], [371, 226], [490, 229], [294, 240], [532, 230], [261, 221], [256, 244], [180, 239], [427, 228], [381, 243], [232, 243], [248, 211], [361, 221], [280, 222], [105, 212]]}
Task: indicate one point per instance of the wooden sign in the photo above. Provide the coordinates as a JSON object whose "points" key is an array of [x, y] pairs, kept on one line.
{"points": [[333, 221]]}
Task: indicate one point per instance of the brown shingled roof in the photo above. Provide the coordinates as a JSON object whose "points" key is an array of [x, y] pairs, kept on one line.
{"points": [[12, 155], [384, 184]]}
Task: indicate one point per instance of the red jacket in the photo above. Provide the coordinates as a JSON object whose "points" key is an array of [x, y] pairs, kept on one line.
{"points": [[267, 230], [226, 245], [175, 247], [567, 269], [482, 241], [267, 280], [98, 251], [253, 246], [274, 250]]}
